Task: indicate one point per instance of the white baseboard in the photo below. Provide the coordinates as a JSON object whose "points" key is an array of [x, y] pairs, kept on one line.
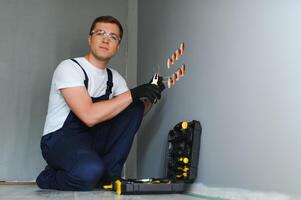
{"points": [[236, 193]]}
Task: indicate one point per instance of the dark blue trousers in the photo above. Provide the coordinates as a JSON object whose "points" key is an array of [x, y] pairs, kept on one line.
{"points": [[79, 158]]}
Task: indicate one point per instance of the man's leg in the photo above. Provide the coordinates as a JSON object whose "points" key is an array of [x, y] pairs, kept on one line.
{"points": [[114, 140], [73, 164]]}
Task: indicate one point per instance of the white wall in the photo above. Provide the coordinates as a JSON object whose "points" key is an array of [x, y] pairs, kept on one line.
{"points": [[35, 36], [243, 84]]}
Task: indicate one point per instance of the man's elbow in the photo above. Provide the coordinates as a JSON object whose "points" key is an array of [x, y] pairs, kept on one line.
{"points": [[90, 124], [89, 121], [90, 118]]}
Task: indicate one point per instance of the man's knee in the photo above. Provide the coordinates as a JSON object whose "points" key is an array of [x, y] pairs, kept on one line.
{"points": [[137, 108], [87, 174]]}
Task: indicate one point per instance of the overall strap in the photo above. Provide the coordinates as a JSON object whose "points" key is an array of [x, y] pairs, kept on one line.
{"points": [[86, 81], [109, 83]]}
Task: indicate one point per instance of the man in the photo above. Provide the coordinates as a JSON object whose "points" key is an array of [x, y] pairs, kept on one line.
{"points": [[92, 116]]}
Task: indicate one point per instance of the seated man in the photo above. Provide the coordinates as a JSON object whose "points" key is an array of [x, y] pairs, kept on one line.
{"points": [[92, 116]]}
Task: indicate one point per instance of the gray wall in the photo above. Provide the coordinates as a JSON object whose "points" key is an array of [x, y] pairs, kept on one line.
{"points": [[35, 36], [130, 167], [243, 84]]}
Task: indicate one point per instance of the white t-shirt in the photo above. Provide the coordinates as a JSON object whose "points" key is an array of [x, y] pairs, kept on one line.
{"points": [[69, 74]]}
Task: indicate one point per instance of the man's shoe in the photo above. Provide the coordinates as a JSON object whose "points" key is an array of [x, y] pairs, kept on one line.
{"points": [[45, 177]]}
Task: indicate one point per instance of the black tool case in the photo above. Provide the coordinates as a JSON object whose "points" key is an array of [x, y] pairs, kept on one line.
{"points": [[182, 164]]}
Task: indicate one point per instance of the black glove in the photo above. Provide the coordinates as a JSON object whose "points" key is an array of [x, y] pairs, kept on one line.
{"points": [[161, 84], [148, 90]]}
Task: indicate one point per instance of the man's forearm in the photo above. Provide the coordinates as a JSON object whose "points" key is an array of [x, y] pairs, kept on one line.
{"points": [[105, 110]]}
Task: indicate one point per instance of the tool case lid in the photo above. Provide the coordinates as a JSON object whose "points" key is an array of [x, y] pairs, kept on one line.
{"points": [[183, 149]]}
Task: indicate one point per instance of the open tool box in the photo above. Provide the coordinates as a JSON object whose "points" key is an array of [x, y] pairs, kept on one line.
{"points": [[182, 164]]}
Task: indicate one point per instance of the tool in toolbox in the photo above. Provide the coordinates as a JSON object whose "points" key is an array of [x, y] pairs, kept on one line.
{"points": [[182, 164]]}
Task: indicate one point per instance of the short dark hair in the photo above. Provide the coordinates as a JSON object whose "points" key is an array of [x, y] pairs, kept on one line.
{"points": [[107, 19]]}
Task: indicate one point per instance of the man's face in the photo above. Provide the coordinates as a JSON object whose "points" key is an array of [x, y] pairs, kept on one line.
{"points": [[102, 41]]}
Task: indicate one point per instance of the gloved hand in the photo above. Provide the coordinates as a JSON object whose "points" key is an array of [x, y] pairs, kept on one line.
{"points": [[147, 90], [160, 83]]}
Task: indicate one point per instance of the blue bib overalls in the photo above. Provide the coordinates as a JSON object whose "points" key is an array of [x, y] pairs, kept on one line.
{"points": [[79, 157]]}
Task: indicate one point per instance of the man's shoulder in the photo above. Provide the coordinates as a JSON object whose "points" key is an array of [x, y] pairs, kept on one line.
{"points": [[67, 68], [70, 61], [67, 63]]}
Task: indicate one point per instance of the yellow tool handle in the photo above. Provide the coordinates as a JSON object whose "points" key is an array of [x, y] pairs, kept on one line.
{"points": [[118, 187], [108, 187], [184, 125], [182, 175], [184, 160], [185, 169]]}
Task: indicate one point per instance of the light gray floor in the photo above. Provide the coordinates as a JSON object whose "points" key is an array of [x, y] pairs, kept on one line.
{"points": [[33, 193]]}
